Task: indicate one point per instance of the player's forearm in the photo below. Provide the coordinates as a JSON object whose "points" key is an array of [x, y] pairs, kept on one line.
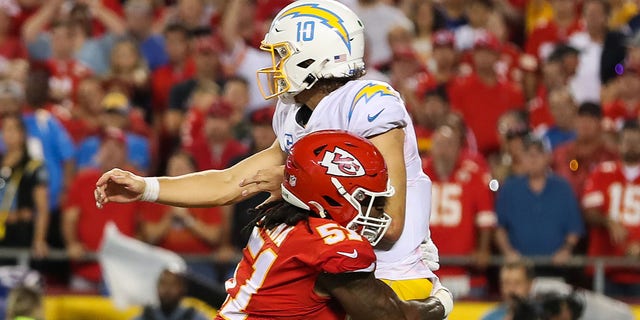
{"points": [[216, 187], [428, 309], [200, 189], [391, 146]]}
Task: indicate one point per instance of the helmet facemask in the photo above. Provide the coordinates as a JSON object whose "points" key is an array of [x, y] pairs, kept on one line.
{"points": [[274, 81], [367, 225]]}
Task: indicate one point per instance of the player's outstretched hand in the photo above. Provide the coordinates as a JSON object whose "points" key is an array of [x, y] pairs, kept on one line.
{"points": [[117, 185], [265, 180]]}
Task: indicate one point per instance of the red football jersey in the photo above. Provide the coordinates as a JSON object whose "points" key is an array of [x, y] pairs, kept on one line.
{"points": [[277, 275], [66, 75], [164, 78], [460, 205], [92, 220], [611, 193]]}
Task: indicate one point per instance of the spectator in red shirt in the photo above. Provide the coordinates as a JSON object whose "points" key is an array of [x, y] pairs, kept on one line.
{"points": [[442, 68], [202, 98], [404, 70], [84, 118], [514, 65], [461, 204], [544, 37], [625, 94], [83, 222], [555, 73], [66, 71], [482, 97], [610, 200], [444, 64], [183, 230], [217, 147], [11, 46], [179, 68], [576, 159]]}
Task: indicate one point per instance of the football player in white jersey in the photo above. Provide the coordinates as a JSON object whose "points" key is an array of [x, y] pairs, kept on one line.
{"points": [[317, 49]]}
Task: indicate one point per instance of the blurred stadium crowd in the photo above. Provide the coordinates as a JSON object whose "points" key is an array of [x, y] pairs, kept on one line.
{"points": [[526, 113]]}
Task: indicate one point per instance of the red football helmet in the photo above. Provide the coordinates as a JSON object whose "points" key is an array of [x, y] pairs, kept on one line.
{"points": [[339, 175]]}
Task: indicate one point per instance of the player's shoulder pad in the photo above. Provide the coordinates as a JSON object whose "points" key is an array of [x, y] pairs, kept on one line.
{"points": [[364, 92], [342, 250]]}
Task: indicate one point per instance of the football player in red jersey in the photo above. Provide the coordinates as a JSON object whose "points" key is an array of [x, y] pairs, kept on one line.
{"points": [[612, 208], [310, 255]]}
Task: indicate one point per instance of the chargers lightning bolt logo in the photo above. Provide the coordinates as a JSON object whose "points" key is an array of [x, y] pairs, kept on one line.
{"points": [[367, 93], [327, 17]]}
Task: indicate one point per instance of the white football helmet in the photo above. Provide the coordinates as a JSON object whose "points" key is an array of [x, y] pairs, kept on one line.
{"points": [[309, 40]]}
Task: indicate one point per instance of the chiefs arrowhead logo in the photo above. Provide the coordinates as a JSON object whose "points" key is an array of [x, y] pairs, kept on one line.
{"points": [[342, 163]]}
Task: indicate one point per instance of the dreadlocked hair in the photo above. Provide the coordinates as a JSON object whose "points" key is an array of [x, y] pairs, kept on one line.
{"points": [[276, 213]]}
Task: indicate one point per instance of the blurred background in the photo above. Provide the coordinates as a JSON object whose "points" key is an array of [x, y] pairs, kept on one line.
{"points": [[526, 114]]}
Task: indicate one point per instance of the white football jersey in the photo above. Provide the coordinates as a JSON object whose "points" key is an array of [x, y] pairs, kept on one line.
{"points": [[368, 108]]}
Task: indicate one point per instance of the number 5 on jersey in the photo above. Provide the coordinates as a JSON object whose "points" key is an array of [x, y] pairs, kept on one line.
{"points": [[332, 233]]}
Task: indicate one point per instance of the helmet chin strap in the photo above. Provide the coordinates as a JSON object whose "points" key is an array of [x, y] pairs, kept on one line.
{"points": [[321, 210], [343, 192]]}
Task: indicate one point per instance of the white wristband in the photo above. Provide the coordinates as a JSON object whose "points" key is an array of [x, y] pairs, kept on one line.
{"points": [[446, 299], [151, 190]]}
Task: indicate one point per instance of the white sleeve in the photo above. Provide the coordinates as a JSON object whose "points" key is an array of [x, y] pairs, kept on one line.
{"points": [[278, 121]]}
